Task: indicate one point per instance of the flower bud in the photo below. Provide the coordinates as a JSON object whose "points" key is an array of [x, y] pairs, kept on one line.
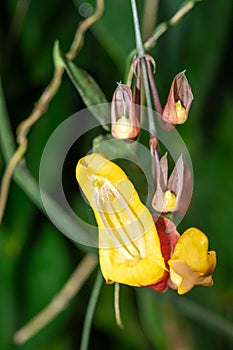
{"points": [[173, 194], [125, 123], [179, 101]]}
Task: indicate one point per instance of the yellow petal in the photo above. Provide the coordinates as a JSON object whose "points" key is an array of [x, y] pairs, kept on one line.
{"points": [[129, 247], [169, 201], [122, 128], [191, 263], [181, 113]]}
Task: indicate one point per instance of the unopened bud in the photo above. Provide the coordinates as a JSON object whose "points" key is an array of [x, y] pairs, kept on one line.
{"points": [[179, 101], [125, 123]]}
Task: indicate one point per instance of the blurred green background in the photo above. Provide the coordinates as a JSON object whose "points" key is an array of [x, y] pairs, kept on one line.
{"points": [[35, 258]]}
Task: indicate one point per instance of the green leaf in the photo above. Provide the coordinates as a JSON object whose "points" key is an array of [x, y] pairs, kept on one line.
{"points": [[152, 317], [88, 89]]}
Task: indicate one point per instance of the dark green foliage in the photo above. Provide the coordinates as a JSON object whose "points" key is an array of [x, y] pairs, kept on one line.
{"points": [[35, 259]]}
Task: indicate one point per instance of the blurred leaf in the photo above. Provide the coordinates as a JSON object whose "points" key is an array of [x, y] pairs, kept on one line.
{"points": [[89, 91], [38, 35], [7, 297], [152, 318], [49, 268], [114, 31], [46, 267]]}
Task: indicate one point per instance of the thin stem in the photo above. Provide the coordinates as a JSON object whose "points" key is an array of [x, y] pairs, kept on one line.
{"points": [[162, 28], [60, 301], [139, 43], [185, 7], [154, 90], [117, 305], [151, 123], [140, 50], [30, 186], [41, 105], [6, 179], [90, 312], [39, 109], [82, 28]]}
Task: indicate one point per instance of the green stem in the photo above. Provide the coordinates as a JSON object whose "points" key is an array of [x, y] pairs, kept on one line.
{"points": [[151, 123], [90, 311], [139, 43], [141, 52], [185, 7]]}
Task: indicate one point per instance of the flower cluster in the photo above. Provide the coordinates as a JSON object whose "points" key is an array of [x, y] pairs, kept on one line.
{"points": [[135, 247]]}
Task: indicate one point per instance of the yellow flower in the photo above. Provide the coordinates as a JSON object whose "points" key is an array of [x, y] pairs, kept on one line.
{"points": [[129, 246], [191, 263], [134, 247]]}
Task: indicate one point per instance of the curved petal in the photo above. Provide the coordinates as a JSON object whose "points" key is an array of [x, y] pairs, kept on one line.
{"points": [[191, 263], [129, 246]]}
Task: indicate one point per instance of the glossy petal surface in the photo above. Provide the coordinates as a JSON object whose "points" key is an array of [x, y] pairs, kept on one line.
{"points": [[129, 246]]}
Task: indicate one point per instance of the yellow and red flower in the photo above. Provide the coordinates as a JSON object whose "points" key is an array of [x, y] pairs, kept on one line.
{"points": [[135, 248]]}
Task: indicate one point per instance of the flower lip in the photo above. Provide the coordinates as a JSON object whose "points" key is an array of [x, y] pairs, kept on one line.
{"points": [[191, 264]]}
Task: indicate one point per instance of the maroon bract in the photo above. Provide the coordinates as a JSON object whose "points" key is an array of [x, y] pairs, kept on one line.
{"points": [[179, 101], [172, 194]]}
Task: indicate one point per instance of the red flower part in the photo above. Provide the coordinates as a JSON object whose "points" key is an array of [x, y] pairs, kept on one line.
{"points": [[168, 237]]}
